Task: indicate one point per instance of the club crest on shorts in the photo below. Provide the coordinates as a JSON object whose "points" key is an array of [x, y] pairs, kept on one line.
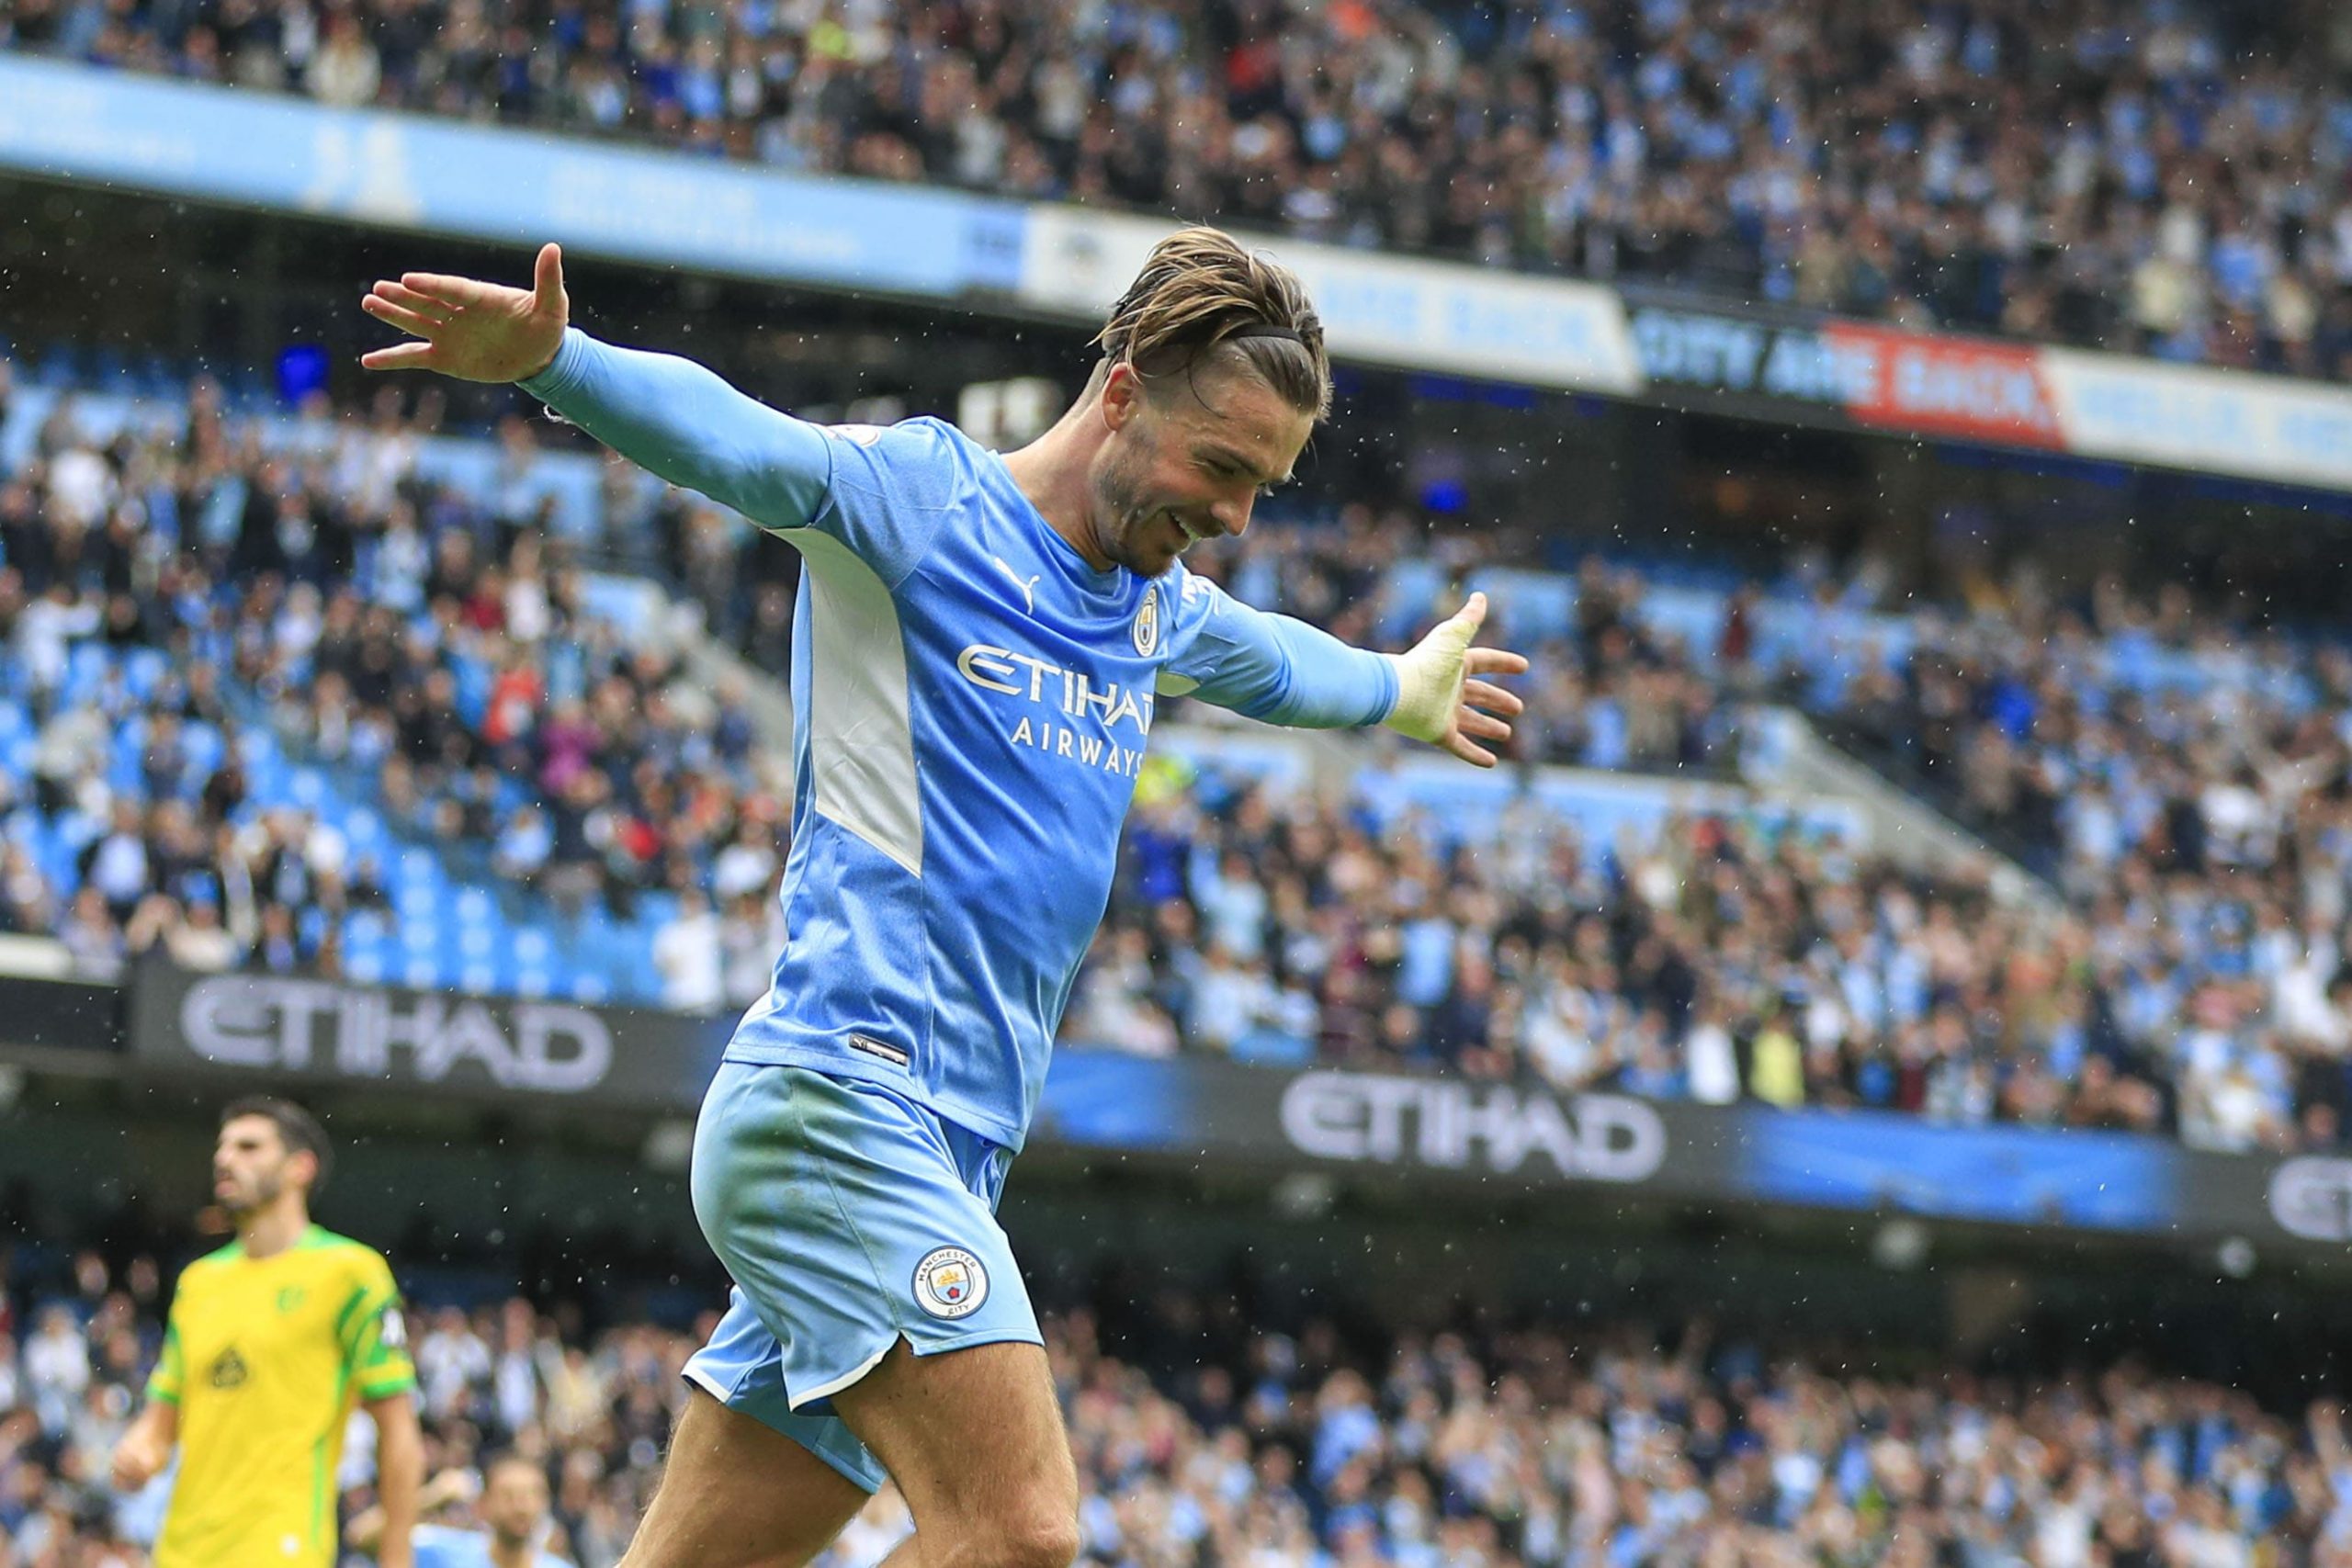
{"points": [[950, 1282], [1146, 626]]}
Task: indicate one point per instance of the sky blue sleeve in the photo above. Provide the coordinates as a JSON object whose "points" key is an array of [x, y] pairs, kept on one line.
{"points": [[672, 416], [1271, 667], [681, 422]]}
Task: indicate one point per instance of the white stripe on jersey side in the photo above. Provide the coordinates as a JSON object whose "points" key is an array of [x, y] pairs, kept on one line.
{"points": [[860, 744]]}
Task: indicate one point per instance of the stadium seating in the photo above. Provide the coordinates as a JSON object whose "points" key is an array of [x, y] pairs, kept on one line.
{"points": [[408, 898], [1866, 793], [2150, 177], [1238, 1443], [2179, 781], [487, 780]]}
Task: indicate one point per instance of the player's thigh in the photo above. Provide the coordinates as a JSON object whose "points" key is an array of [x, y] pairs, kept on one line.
{"points": [[735, 1492], [973, 1438]]}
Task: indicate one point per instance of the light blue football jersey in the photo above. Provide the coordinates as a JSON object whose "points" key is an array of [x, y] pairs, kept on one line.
{"points": [[972, 702]]}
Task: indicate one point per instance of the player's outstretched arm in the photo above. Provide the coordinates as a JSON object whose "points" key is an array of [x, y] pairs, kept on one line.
{"points": [[1443, 696], [668, 415], [1281, 671]]}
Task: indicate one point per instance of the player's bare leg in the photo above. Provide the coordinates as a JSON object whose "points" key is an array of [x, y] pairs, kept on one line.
{"points": [[974, 1441], [736, 1494]]}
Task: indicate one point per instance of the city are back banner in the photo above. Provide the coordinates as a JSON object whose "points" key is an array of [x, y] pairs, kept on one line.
{"points": [[1769, 364], [1450, 1133]]}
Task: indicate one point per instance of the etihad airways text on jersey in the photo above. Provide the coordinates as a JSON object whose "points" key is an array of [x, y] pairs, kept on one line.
{"points": [[1070, 692]]}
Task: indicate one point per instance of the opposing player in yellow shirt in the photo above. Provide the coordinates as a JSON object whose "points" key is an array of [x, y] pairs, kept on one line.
{"points": [[271, 1342]]}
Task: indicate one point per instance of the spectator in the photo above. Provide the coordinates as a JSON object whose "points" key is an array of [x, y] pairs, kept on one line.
{"points": [[2158, 178], [689, 954], [753, 934], [1234, 1440]]}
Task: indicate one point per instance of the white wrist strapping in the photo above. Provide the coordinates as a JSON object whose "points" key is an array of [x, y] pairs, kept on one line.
{"points": [[1429, 682]]}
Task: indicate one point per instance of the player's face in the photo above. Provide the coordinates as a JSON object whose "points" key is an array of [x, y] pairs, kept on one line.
{"points": [[515, 1501], [249, 1165], [1186, 462]]}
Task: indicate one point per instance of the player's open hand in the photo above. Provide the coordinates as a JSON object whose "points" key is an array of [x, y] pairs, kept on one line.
{"points": [[1444, 696], [474, 331]]}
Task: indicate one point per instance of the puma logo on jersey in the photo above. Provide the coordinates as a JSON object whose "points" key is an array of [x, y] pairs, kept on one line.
{"points": [[1028, 585]]}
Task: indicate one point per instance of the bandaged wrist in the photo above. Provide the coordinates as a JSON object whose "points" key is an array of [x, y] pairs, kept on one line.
{"points": [[1429, 684]]}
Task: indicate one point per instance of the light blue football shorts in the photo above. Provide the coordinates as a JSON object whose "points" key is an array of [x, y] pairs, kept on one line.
{"points": [[850, 1218]]}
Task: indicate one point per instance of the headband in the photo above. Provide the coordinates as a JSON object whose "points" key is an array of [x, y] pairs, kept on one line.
{"points": [[1262, 329]]}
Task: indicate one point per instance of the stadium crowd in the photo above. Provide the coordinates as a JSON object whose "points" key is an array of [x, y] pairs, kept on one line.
{"points": [[2158, 175], [1205, 1437], [2186, 790], [433, 643], [1609, 687]]}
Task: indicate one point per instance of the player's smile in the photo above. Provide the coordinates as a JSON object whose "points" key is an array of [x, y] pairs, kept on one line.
{"points": [[1180, 536], [1185, 535]]}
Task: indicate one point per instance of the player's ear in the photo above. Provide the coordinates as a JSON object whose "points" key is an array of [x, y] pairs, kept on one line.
{"points": [[303, 1167], [1123, 394]]}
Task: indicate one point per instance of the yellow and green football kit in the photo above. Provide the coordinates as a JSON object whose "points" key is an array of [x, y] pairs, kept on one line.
{"points": [[265, 1359]]}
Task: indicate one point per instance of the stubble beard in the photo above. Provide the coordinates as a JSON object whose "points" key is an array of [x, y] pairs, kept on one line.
{"points": [[1118, 497], [266, 1189]]}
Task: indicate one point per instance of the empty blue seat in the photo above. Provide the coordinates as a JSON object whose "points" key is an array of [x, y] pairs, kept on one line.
{"points": [[85, 666], [365, 829], [205, 748], [144, 668]]}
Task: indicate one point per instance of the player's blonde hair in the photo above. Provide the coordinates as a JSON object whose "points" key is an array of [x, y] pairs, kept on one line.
{"points": [[1201, 293]]}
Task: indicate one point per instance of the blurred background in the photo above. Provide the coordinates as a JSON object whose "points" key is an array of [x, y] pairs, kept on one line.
{"points": [[1866, 1082]]}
